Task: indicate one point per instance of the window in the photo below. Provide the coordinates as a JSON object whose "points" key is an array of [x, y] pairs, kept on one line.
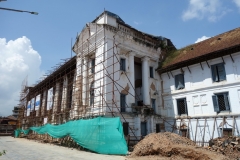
{"points": [[151, 72], [123, 102], [179, 81], [92, 94], [122, 64], [154, 104], [157, 128], [182, 106], [125, 128], [218, 72], [93, 66], [143, 128], [221, 102]]}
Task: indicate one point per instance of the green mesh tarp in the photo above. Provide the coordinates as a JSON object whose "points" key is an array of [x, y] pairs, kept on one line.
{"points": [[101, 135]]}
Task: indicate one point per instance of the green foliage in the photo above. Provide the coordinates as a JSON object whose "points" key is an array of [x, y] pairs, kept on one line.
{"points": [[172, 54], [3, 152]]}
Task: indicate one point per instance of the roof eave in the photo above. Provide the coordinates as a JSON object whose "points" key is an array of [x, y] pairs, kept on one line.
{"points": [[205, 57]]}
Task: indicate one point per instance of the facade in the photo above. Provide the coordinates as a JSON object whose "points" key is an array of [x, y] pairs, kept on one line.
{"points": [[116, 68], [119, 71], [51, 99], [201, 87]]}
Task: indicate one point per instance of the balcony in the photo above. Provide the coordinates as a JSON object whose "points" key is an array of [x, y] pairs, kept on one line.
{"points": [[142, 109]]}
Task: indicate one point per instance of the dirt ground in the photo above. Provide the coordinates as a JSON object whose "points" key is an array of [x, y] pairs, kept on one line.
{"points": [[171, 146]]}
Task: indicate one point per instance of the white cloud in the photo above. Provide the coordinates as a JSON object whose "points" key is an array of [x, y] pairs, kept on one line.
{"points": [[213, 10], [17, 60], [202, 39], [237, 2], [137, 23]]}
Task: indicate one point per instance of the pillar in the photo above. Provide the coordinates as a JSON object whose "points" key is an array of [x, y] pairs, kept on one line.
{"points": [[85, 81], [145, 80], [131, 95]]}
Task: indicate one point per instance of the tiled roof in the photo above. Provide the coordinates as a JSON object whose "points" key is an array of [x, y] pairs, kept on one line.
{"points": [[221, 42]]}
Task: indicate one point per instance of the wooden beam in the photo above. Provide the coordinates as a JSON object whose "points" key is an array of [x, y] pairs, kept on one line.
{"points": [[174, 125], [195, 138], [233, 126], [222, 126], [180, 126], [204, 132], [213, 127], [171, 74], [231, 58], [168, 75], [189, 121], [188, 69], [223, 60], [201, 65], [207, 64]]}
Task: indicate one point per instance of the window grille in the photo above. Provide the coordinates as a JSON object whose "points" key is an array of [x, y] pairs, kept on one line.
{"points": [[122, 64], [221, 102], [182, 106]]}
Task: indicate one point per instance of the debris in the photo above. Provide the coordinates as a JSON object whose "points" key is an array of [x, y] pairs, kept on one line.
{"points": [[228, 146], [172, 146]]}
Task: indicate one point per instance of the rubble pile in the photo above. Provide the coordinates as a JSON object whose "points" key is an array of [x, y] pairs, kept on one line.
{"points": [[172, 146], [229, 146]]}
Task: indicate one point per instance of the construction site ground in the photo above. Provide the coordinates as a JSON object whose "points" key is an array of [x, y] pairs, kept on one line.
{"points": [[159, 146], [24, 149]]}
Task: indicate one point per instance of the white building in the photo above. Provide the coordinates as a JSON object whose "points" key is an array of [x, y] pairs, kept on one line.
{"points": [[201, 87], [116, 74]]}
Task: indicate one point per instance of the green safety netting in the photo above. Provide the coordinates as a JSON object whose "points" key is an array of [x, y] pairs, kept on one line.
{"points": [[102, 135]]}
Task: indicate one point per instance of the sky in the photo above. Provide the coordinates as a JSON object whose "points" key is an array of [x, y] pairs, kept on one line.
{"points": [[30, 45]]}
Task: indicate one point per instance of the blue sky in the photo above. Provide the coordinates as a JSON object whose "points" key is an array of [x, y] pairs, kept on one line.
{"points": [[47, 36]]}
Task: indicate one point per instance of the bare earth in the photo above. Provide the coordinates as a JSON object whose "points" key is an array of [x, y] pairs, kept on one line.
{"points": [[171, 146]]}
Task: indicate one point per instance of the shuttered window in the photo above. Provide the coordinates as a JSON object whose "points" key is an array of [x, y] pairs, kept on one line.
{"points": [[182, 106], [122, 64], [123, 102], [221, 102], [218, 72], [179, 82]]}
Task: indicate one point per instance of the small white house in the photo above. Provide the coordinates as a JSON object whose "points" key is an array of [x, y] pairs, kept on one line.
{"points": [[201, 88]]}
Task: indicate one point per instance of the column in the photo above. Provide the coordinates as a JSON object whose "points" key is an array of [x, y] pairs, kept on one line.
{"points": [[85, 81], [131, 96], [44, 100], [64, 94], [145, 80]]}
